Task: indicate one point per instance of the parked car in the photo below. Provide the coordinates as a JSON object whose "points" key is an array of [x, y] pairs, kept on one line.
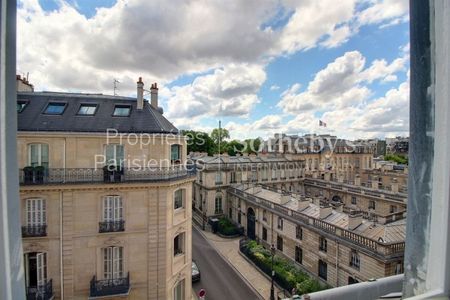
{"points": [[195, 272]]}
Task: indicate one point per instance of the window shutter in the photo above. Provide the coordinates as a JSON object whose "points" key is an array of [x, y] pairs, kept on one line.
{"points": [[41, 261], [107, 262], [118, 210]]}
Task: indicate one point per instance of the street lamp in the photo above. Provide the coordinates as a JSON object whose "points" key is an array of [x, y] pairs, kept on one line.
{"points": [[272, 290]]}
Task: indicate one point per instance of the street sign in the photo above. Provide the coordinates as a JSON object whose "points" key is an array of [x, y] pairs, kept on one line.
{"points": [[202, 294]]}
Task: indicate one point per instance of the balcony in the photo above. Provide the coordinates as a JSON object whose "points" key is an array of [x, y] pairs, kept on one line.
{"points": [[28, 176], [41, 292], [111, 226], [109, 287], [34, 231]]}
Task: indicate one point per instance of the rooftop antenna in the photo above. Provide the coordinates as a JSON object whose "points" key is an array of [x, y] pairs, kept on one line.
{"points": [[115, 86]]}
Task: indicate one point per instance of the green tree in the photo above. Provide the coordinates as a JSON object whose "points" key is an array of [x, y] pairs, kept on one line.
{"points": [[219, 135], [252, 145], [398, 158], [233, 147], [198, 141]]}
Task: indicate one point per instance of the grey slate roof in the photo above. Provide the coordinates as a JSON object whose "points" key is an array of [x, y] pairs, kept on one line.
{"points": [[147, 120]]}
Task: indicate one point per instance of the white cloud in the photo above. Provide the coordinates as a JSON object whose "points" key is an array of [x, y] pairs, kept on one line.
{"points": [[228, 91], [274, 87], [382, 11], [340, 84]]}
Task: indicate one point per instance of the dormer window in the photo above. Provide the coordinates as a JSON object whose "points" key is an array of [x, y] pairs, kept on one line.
{"points": [[21, 106], [55, 108], [122, 110], [87, 109]]}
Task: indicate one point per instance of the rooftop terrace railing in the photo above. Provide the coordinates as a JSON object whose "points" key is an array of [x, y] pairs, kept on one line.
{"points": [[402, 197], [379, 247], [99, 175]]}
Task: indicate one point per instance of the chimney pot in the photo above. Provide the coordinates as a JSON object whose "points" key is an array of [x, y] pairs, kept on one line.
{"points": [[140, 94], [154, 95]]}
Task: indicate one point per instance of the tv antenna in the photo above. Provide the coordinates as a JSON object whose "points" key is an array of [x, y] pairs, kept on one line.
{"points": [[115, 86]]}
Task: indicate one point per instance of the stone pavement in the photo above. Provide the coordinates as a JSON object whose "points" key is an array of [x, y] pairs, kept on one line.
{"points": [[229, 249]]}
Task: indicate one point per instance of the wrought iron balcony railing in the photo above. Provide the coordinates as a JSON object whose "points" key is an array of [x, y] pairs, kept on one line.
{"points": [[34, 230], [99, 175], [112, 226], [41, 292], [109, 287]]}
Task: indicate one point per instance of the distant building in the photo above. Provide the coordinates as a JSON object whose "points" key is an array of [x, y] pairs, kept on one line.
{"points": [[336, 245], [94, 226]]}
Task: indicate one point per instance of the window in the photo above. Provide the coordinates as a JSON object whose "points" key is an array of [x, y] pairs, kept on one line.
{"points": [[21, 106], [114, 154], [233, 177], [178, 199], [218, 177], [323, 270], [353, 200], [254, 176], [298, 254], [112, 262], [112, 209], [280, 223], [352, 280], [178, 291], [323, 244], [55, 108], [398, 268], [178, 244], [264, 174], [239, 203], [298, 232], [218, 204], [372, 204], [38, 155], [87, 109], [280, 243], [265, 215], [122, 110], [393, 209], [36, 212], [274, 174], [264, 234], [239, 217], [175, 154], [354, 259], [35, 269]]}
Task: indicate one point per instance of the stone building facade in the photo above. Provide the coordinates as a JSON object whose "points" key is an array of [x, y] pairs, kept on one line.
{"points": [[336, 247], [103, 216]]}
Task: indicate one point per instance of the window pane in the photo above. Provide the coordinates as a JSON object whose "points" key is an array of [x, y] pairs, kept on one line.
{"points": [[87, 109], [122, 111], [55, 108]]}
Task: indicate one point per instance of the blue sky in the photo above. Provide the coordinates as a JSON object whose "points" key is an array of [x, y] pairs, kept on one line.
{"points": [[260, 66]]}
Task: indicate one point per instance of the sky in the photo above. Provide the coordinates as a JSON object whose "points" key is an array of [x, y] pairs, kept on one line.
{"points": [[260, 66]]}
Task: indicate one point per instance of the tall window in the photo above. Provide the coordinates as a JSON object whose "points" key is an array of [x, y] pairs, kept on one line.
{"points": [[323, 244], [112, 262], [233, 177], [36, 212], [265, 215], [372, 204], [353, 200], [35, 269], [218, 177], [354, 259], [280, 223], [323, 270], [218, 204], [239, 217], [264, 234], [175, 154], [178, 199], [398, 268], [178, 244], [178, 291], [38, 155], [298, 254], [393, 209], [274, 173], [112, 208], [264, 173], [298, 232], [280, 243], [114, 154]]}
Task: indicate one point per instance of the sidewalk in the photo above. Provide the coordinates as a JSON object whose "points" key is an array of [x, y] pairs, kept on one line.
{"points": [[229, 249]]}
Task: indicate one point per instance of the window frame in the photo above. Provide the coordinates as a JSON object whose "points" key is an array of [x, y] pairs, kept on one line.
{"points": [[40, 161], [121, 106], [175, 200], [179, 247], [323, 244], [55, 103], [95, 105], [22, 108]]}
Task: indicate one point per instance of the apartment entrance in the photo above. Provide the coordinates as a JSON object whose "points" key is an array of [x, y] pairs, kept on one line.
{"points": [[251, 223]]}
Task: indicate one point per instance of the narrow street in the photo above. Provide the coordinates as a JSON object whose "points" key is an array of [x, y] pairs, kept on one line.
{"points": [[220, 281]]}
